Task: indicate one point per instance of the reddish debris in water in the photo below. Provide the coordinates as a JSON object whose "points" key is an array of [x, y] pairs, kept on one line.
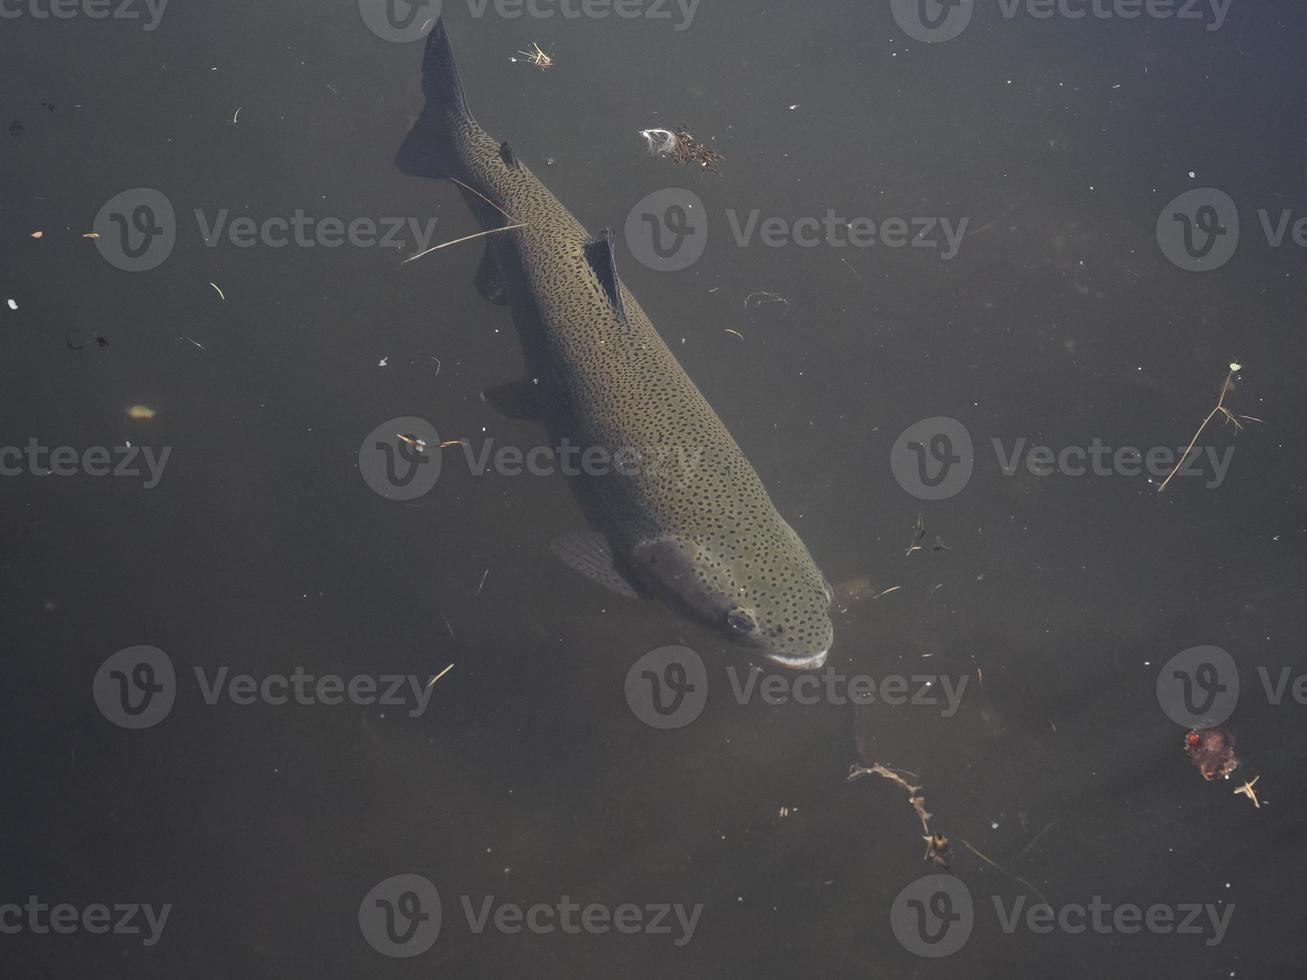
{"points": [[1211, 750]]}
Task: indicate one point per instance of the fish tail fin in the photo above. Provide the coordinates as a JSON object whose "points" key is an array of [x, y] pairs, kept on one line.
{"points": [[431, 148]]}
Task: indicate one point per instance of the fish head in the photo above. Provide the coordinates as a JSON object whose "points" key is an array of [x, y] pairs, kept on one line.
{"points": [[772, 600]]}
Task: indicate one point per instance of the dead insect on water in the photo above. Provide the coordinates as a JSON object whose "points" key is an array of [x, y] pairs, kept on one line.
{"points": [[536, 56], [680, 147]]}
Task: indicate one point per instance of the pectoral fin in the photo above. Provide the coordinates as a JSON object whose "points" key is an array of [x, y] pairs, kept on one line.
{"points": [[589, 553]]}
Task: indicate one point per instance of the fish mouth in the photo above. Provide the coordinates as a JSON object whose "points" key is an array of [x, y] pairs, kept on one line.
{"points": [[798, 661]]}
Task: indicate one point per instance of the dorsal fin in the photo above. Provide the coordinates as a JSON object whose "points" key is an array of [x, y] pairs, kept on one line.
{"points": [[599, 256], [509, 157]]}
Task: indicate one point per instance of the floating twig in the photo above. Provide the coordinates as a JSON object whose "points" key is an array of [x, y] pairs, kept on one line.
{"points": [[937, 845], [1235, 420], [456, 241], [432, 682]]}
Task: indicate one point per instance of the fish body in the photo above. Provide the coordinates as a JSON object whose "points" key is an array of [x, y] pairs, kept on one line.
{"points": [[677, 511]]}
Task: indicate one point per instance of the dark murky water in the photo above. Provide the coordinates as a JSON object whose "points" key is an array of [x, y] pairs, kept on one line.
{"points": [[1053, 148]]}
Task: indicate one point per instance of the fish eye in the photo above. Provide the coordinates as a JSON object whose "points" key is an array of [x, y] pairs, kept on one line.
{"points": [[740, 621]]}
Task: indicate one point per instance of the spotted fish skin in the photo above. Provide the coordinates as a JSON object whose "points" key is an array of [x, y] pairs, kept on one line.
{"points": [[684, 514]]}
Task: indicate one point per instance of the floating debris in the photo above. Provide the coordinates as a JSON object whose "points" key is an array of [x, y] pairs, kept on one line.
{"points": [[1247, 790], [37, 234], [536, 56], [1211, 750], [762, 298], [77, 339], [432, 682], [221, 294], [680, 147], [140, 413], [12, 304], [1235, 420], [937, 845]]}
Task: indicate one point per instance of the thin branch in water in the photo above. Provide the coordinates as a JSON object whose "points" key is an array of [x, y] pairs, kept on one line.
{"points": [[1220, 409]]}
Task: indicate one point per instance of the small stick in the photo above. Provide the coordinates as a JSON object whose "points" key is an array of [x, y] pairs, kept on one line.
{"points": [[432, 682], [456, 241], [484, 198]]}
